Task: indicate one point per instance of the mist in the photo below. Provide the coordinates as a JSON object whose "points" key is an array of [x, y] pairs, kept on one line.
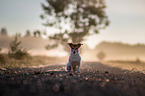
{"points": [[113, 50]]}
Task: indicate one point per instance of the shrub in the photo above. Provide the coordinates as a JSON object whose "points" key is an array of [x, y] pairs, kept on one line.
{"points": [[137, 60], [2, 58], [101, 55], [16, 51]]}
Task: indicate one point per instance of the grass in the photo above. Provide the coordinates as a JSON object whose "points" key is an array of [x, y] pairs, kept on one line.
{"points": [[2, 59], [31, 61], [128, 65]]}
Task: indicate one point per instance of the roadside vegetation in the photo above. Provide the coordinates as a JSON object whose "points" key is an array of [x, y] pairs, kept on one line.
{"points": [[132, 65], [18, 57], [8, 62], [16, 51]]}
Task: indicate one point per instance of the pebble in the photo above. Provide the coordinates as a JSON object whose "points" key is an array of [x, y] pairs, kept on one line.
{"points": [[63, 83], [56, 87]]}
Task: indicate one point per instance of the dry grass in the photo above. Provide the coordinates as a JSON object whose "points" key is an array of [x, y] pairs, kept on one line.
{"points": [[128, 65], [31, 61]]}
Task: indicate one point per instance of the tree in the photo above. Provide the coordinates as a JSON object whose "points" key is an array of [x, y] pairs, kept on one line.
{"points": [[18, 34], [16, 51], [37, 33], [3, 32], [101, 55], [27, 33], [74, 19]]}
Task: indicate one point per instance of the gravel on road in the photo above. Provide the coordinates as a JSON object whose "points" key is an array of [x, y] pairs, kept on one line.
{"points": [[95, 79]]}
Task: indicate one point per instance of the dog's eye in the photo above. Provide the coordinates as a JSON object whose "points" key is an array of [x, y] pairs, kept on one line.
{"points": [[76, 48], [72, 48]]}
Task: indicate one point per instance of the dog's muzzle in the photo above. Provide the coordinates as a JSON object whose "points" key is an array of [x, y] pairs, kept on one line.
{"points": [[74, 51]]}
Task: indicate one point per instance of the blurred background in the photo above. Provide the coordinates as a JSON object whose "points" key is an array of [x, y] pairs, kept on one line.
{"points": [[111, 30]]}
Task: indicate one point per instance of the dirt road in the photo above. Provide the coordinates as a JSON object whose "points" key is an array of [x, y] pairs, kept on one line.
{"points": [[95, 79]]}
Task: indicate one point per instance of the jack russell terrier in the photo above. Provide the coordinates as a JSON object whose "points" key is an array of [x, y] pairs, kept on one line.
{"points": [[74, 58]]}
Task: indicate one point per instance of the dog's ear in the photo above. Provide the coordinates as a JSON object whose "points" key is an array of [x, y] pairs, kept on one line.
{"points": [[70, 44], [79, 45]]}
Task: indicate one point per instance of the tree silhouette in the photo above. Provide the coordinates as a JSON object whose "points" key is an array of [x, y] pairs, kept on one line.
{"points": [[27, 33], [74, 19], [101, 55], [37, 33], [3, 32], [16, 51], [137, 60]]}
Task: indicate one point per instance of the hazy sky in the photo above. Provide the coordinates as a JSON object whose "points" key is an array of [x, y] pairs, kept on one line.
{"points": [[127, 19]]}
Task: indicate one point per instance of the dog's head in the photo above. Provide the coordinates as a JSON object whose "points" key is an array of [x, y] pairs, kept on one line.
{"points": [[74, 47]]}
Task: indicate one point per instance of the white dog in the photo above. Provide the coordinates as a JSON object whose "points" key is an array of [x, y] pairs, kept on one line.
{"points": [[74, 58]]}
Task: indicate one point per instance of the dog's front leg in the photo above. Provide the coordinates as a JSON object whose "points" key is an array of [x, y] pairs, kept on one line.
{"points": [[71, 68], [67, 68], [78, 68]]}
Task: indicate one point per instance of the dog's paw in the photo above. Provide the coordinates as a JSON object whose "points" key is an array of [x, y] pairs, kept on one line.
{"points": [[78, 71]]}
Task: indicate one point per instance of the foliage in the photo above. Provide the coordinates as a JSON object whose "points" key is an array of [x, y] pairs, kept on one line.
{"points": [[74, 19], [37, 33], [16, 51], [137, 60], [2, 58], [27, 33], [101, 55], [31, 61], [3, 32]]}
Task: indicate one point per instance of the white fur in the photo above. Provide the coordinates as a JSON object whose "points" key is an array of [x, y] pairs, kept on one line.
{"points": [[74, 60]]}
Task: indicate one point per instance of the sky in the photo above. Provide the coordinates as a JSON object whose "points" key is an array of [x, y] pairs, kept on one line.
{"points": [[127, 20]]}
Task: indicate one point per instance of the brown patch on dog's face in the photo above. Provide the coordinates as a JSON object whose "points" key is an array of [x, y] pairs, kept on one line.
{"points": [[74, 47]]}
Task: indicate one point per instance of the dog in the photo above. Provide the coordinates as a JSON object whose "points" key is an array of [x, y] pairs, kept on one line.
{"points": [[74, 58]]}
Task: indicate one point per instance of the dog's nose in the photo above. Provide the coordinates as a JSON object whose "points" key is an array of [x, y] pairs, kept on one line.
{"points": [[74, 52]]}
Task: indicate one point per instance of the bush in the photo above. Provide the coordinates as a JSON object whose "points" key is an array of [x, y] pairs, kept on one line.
{"points": [[137, 60], [2, 58], [101, 55], [16, 51]]}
